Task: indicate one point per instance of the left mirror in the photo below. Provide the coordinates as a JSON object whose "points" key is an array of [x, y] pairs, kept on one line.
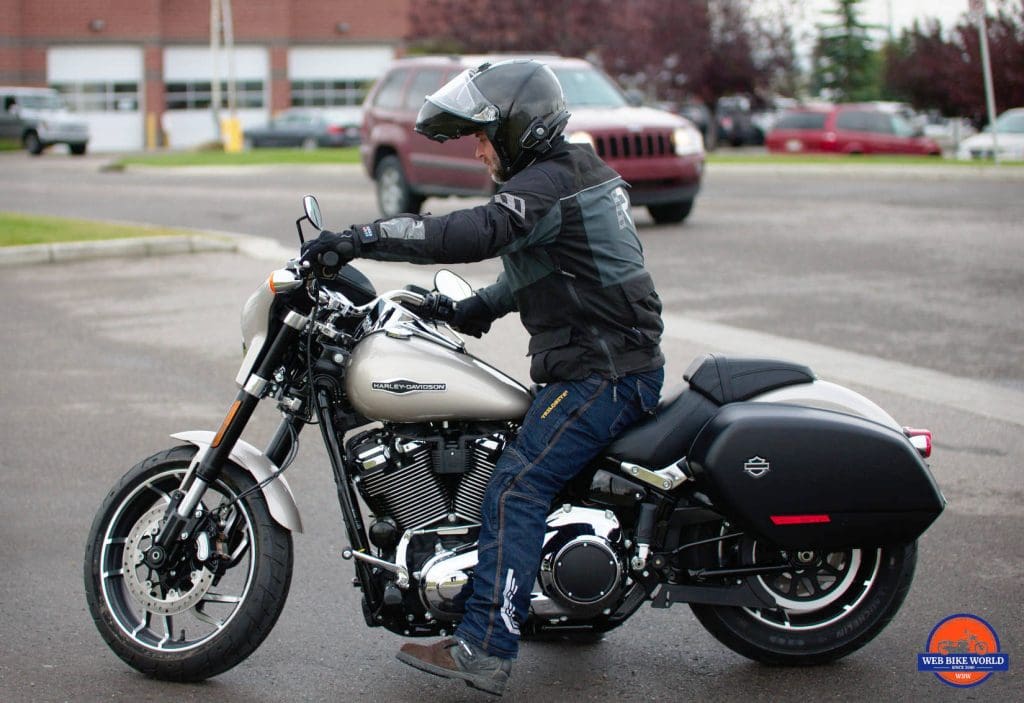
{"points": [[312, 208], [452, 284]]}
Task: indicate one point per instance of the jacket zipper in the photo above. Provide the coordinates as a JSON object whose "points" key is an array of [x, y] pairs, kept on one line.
{"points": [[570, 284]]}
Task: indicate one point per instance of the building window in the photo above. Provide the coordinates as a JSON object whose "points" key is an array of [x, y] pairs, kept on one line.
{"points": [[99, 96], [197, 95], [324, 93]]}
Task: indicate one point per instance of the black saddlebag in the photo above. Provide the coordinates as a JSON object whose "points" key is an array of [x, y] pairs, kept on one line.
{"points": [[808, 478]]}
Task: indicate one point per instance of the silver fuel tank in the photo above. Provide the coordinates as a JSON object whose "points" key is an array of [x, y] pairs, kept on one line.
{"points": [[415, 380]]}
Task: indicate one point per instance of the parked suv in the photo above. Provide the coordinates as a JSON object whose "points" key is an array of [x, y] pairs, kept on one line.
{"points": [[847, 129], [658, 153], [37, 118]]}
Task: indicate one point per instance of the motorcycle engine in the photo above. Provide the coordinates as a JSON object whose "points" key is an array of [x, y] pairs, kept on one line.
{"points": [[429, 477], [425, 490]]}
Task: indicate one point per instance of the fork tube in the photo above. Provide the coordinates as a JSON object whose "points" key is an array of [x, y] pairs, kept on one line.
{"points": [[231, 428], [349, 509]]}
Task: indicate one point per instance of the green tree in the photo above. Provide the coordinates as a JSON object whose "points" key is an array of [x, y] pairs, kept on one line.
{"points": [[846, 67]]}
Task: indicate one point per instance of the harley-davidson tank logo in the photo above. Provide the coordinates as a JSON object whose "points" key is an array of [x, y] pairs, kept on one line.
{"points": [[757, 467], [401, 386]]}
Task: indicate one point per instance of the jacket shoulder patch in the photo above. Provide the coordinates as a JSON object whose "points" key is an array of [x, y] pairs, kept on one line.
{"points": [[512, 203]]}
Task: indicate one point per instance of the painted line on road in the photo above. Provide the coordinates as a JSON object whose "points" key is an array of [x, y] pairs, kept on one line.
{"points": [[977, 397]]}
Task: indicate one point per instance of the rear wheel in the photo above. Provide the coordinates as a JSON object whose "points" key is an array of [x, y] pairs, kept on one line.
{"points": [[215, 605], [670, 213], [78, 149], [394, 196], [831, 603]]}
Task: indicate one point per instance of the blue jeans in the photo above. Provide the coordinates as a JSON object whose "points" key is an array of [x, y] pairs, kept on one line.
{"points": [[567, 426]]}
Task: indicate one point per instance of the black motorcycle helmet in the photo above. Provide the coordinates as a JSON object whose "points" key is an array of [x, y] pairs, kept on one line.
{"points": [[518, 104]]}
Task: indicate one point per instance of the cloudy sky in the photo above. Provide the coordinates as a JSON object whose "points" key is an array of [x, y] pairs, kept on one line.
{"points": [[904, 12]]}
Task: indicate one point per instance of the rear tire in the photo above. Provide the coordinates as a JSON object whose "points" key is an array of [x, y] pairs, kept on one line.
{"points": [[671, 213], [394, 196], [830, 609], [198, 625], [77, 149]]}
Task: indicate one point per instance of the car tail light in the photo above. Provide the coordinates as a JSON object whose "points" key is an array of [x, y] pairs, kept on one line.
{"points": [[335, 129], [921, 439]]}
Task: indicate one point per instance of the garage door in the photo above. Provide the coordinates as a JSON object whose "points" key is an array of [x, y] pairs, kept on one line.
{"points": [[104, 86]]}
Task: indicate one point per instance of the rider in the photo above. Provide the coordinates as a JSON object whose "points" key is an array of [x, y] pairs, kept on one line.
{"points": [[574, 270]]}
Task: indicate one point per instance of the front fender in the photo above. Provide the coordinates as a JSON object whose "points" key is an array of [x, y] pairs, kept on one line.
{"points": [[278, 494]]}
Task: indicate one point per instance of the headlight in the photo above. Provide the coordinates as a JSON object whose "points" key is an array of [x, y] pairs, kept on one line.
{"points": [[581, 138], [688, 141]]}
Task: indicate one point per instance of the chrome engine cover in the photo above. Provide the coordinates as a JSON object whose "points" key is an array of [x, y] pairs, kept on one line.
{"points": [[581, 571]]}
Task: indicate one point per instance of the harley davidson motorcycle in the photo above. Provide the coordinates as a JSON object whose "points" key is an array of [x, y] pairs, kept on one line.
{"points": [[782, 508]]}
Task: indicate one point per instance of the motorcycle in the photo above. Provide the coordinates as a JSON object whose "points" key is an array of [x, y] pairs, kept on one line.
{"points": [[783, 509]]}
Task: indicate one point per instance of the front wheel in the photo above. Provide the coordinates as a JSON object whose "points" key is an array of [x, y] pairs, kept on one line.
{"points": [[670, 213], [210, 609], [394, 196], [831, 603]]}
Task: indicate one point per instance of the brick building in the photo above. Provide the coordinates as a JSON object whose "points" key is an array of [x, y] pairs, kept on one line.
{"points": [[140, 71]]}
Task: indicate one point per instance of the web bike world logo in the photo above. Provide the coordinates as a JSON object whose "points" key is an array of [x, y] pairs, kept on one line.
{"points": [[963, 651]]}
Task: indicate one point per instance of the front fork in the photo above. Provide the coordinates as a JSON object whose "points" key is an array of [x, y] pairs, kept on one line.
{"points": [[183, 504]]}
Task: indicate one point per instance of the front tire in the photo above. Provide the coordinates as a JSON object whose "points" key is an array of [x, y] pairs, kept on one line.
{"points": [[198, 623], [670, 213], [33, 144], [833, 607], [394, 196]]}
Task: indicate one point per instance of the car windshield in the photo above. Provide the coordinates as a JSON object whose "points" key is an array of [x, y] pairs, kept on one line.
{"points": [[801, 120], [1011, 123], [41, 102], [588, 88]]}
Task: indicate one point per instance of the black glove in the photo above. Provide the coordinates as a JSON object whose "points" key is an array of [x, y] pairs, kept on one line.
{"points": [[473, 316], [438, 307], [344, 244]]}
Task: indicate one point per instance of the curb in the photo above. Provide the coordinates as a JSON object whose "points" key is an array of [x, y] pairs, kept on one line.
{"points": [[130, 247]]}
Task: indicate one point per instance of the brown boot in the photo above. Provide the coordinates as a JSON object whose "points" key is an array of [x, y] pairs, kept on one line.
{"points": [[454, 658]]}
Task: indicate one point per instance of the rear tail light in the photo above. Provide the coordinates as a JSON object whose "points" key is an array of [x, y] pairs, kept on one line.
{"points": [[335, 129], [921, 439]]}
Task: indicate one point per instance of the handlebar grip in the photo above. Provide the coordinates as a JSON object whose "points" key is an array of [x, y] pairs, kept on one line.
{"points": [[329, 259]]}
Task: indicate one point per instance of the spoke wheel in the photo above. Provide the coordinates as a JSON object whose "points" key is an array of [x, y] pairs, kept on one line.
{"points": [[829, 602], [209, 610]]}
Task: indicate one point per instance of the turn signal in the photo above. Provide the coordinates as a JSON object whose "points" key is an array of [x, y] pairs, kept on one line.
{"points": [[921, 439]]}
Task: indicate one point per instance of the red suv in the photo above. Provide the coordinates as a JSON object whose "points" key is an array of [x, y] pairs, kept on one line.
{"points": [[659, 154], [847, 129]]}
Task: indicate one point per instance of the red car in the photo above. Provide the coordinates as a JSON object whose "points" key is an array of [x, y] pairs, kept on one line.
{"points": [[658, 153], [847, 129]]}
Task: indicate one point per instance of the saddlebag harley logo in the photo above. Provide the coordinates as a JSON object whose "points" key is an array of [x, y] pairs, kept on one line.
{"points": [[757, 467], [401, 386]]}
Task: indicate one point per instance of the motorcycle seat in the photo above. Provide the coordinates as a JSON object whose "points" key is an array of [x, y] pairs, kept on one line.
{"points": [[714, 380], [726, 379], [665, 436]]}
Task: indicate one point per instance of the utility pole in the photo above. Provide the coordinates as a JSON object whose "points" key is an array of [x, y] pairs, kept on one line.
{"points": [[978, 10]]}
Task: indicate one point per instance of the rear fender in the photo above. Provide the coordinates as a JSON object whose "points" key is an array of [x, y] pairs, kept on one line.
{"points": [[279, 495], [829, 396]]}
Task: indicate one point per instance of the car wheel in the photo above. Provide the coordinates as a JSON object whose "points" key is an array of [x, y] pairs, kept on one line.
{"points": [[393, 193], [77, 149], [32, 144], [670, 213]]}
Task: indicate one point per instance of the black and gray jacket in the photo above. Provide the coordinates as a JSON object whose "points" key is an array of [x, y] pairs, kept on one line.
{"points": [[574, 266]]}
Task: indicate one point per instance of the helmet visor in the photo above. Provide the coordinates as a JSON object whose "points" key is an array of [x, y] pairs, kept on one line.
{"points": [[456, 109]]}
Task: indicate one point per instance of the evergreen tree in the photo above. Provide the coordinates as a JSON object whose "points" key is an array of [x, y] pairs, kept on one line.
{"points": [[846, 66]]}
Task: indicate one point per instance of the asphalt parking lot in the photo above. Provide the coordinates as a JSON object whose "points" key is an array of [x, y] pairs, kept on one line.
{"points": [[105, 358]]}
